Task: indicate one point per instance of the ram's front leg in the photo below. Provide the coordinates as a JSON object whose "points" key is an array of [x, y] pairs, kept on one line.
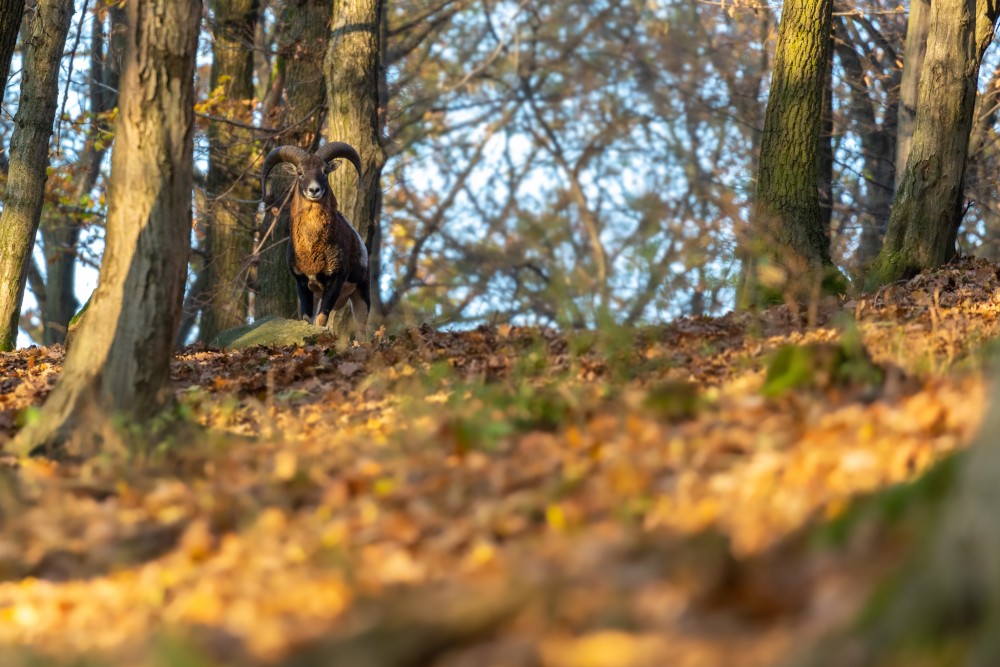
{"points": [[330, 294], [307, 302]]}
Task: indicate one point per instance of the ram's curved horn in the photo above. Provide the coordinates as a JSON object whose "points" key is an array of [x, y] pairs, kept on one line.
{"points": [[338, 149], [292, 154]]}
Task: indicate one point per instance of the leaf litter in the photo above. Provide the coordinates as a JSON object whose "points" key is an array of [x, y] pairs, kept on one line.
{"points": [[502, 496]]}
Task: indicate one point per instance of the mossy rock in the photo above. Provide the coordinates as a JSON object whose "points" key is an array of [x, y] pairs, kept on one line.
{"points": [[821, 366], [74, 323], [269, 332]]}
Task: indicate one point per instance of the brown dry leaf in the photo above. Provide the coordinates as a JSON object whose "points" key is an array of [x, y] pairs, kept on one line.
{"points": [[422, 459], [349, 368]]}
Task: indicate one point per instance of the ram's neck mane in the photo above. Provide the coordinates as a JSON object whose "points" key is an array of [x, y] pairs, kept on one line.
{"points": [[313, 219]]}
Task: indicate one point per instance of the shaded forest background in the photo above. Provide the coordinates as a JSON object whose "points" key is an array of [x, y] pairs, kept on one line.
{"points": [[546, 163]]}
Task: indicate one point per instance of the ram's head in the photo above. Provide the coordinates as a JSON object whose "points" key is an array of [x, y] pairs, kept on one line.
{"points": [[311, 169]]}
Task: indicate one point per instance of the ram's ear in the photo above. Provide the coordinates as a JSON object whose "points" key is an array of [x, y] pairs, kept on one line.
{"points": [[331, 167]]}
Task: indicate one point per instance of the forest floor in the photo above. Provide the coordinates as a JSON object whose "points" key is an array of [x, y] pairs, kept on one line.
{"points": [[717, 491]]}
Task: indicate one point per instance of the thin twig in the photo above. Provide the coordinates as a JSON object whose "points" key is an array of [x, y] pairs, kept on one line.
{"points": [[69, 77], [274, 222], [259, 128]]}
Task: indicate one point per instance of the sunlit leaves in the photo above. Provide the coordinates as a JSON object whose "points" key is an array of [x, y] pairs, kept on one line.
{"points": [[599, 458]]}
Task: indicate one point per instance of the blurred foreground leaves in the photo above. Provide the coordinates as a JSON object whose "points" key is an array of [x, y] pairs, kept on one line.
{"points": [[505, 496]]}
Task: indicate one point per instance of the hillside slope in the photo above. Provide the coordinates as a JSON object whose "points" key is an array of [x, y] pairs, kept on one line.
{"points": [[678, 495]]}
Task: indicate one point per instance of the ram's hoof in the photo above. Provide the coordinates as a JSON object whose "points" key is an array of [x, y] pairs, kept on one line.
{"points": [[321, 320]]}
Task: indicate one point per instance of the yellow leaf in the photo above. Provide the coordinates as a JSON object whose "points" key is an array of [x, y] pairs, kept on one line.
{"points": [[556, 518], [286, 464]]}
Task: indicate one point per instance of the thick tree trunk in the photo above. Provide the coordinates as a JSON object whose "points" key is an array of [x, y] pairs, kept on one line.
{"points": [[354, 91], [303, 39], [927, 209], [917, 27], [987, 13], [232, 175], [120, 359], [942, 607], [29, 157], [60, 236], [10, 24], [789, 251]]}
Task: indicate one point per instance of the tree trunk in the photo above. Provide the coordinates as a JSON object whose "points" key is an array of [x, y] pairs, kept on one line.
{"points": [[927, 209], [825, 182], [29, 157], [232, 176], [877, 141], [917, 27], [303, 39], [120, 360], [354, 78], [980, 171], [940, 608], [61, 235], [744, 232], [789, 251], [11, 14]]}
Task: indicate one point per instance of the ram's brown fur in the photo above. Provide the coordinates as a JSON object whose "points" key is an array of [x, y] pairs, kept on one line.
{"points": [[314, 247]]}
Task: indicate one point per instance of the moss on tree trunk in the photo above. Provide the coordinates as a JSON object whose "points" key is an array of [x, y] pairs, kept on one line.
{"points": [[29, 157], [233, 189], [917, 27], [354, 92], [302, 43], [119, 362], [789, 250], [928, 206], [943, 606]]}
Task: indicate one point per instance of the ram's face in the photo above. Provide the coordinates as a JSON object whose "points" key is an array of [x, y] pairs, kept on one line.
{"points": [[312, 181]]}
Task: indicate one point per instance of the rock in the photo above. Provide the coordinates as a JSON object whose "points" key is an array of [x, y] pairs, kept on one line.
{"points": [[268, 331]]}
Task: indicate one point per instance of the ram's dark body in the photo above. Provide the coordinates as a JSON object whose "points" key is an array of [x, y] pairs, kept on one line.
{"points": [[323, 249], [326, 256]]}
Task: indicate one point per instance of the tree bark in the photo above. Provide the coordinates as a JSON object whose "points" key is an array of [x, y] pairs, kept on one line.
{"points": [[917, 28], [825, 182], [942, 605], [61, 235], [29, 157], [877, 141], [11, 14], [788, 250], [354, 77], [927, 209], [303, 39], [980, 171], [744, 232], [232, 178], [120, 360]]}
